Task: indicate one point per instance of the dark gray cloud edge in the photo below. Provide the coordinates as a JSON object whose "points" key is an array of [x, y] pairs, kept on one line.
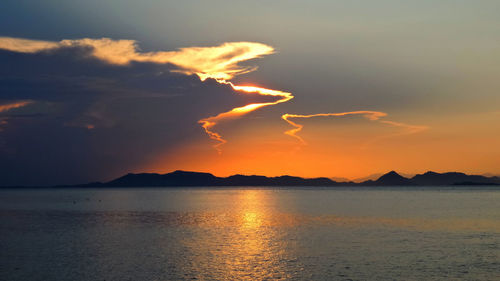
{"points": [[89, 120]]}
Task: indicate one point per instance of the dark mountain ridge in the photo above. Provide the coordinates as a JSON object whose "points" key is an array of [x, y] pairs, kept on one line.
{"points": [[451, 178], [390, 179], [196, 179], [184, 178]]}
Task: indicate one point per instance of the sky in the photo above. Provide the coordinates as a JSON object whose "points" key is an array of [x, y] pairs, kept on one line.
{"points": [[91, 90]]}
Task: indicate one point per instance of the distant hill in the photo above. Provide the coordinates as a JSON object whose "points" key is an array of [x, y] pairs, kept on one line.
{"points": [[177, 178], [433, 178], [390, 179], [184, 178], [372, 177]]}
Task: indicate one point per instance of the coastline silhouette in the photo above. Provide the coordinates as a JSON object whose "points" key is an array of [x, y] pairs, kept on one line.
{"points": [[186, 178]]}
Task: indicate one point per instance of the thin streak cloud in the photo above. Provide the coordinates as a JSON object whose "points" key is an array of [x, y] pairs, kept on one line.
{"points": [[219, 63], [8, 106], [210, 122], [370, 115]]}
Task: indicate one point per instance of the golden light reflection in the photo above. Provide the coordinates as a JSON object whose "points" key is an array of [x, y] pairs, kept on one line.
{"points": [[251, 212], [257, 245], [245, 242], [250, 239], [251, 220]]}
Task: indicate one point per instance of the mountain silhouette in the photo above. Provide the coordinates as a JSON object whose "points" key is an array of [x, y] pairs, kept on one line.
{"points": [[185, 178], [453, 178], [177, 178], [390, 179], [197, 179]]}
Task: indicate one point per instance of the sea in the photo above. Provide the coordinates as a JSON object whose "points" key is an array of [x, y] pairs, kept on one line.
{"points": [[246, 233]]}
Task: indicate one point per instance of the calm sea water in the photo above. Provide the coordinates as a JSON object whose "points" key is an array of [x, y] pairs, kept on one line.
{"points": [[249, 234]]}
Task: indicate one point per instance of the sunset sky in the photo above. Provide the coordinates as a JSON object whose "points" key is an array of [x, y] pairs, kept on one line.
{"points": [[91, 90]]}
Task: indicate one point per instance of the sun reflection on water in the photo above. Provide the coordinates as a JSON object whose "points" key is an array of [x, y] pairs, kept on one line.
{"points": [[251, 220], [254, 235], [244, 243], [251, 212]]}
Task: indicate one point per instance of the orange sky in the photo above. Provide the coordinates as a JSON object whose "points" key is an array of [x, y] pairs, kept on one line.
{"points": [[268, 139], [345, 148]]}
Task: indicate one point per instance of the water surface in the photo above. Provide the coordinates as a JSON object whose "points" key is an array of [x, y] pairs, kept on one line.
{"points": [[249, 234]]}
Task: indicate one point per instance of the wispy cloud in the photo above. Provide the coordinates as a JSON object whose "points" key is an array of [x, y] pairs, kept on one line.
{"points": [[8, 106], [370, 115], [219, 62], [210, 122]]}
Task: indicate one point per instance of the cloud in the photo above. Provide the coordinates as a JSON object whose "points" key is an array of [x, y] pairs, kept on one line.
{"points": [[8, 106], [102, 107], [25, 45], [370, 115], [4, 108], [92, 119], [219, 62], [210, 122]]}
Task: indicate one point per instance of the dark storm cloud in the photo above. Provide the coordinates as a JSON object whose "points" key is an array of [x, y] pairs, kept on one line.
{"points": [[88, 120]]}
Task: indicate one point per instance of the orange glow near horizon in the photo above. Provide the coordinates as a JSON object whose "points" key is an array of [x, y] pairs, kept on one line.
{"points": [[261, 147], [351, 148]]}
